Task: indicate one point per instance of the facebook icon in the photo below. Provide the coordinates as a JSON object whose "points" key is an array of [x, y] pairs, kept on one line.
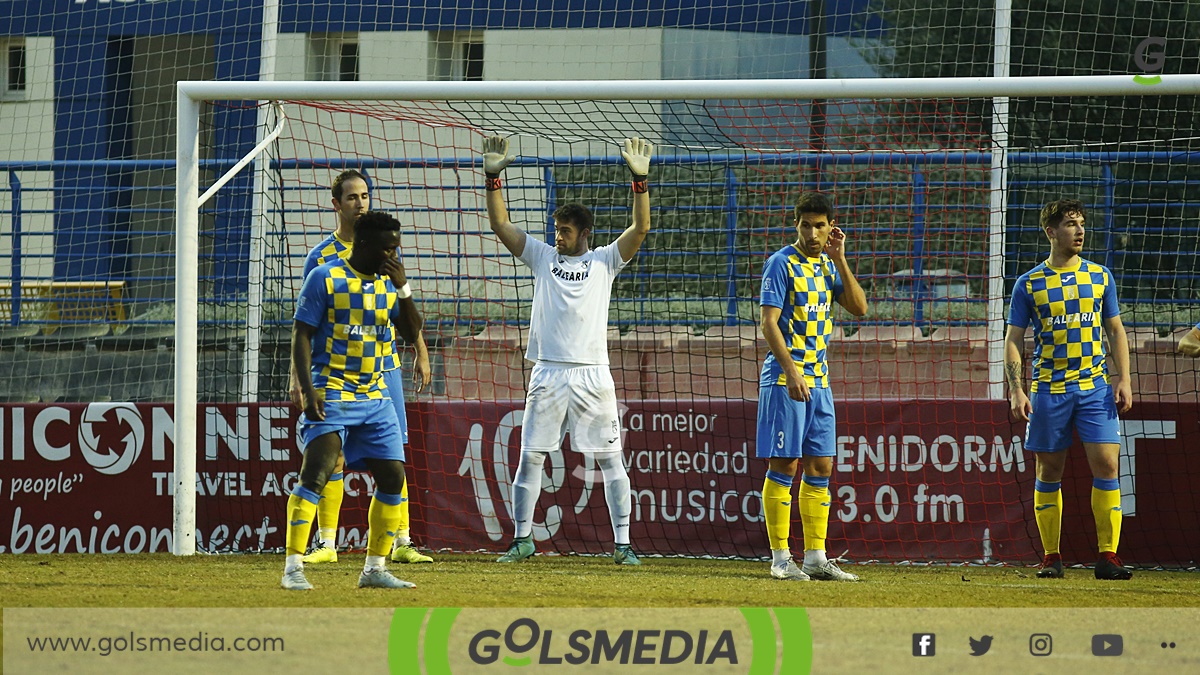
{"points": [[924, 644]]}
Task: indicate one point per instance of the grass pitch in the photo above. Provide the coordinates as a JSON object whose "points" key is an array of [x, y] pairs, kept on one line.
{"points": [[162, 580]]}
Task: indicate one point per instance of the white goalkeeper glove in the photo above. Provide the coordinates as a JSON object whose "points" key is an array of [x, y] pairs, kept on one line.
{"points": [[495, 155], [637, 156]]}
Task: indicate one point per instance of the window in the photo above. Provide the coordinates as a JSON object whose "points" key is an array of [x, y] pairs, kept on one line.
{"points": [[456, 56], [333, 57], [15, 76], [348, 62]]}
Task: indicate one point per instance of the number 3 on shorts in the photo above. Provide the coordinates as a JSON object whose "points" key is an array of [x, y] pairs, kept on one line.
{"points": [[780, 443]]}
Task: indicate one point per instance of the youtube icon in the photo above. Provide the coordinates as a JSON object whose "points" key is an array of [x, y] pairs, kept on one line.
{"points": [[1107, 645]]}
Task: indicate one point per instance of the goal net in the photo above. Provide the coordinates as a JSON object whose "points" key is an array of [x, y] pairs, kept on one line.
{"points": [[937, 177], [941, 217]]}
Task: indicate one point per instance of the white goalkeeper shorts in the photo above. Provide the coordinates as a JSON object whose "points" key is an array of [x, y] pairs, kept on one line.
{"points": [[578, 399]]}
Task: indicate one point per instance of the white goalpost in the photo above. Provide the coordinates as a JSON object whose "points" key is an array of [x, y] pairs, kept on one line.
{"points": [[191, 95]]}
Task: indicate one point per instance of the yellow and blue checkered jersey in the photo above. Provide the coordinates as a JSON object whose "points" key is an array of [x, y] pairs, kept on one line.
{"points": [[353, 315], [1067, 307], [804, 289], [333, 248]]}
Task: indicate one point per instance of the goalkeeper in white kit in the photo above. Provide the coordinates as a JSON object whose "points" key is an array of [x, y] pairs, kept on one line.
{"points": [[570, 388]]}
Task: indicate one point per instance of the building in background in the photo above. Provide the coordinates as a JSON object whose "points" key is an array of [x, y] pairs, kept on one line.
{"points": [[89, 81]]}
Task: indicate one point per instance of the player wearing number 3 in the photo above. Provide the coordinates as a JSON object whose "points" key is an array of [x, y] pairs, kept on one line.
{"points": [[570, 388], [796, 421]]}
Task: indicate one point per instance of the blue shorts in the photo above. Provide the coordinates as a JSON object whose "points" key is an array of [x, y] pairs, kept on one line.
{"points": [[1092, 413], [368, 429], [395, 389], [790, 429]]}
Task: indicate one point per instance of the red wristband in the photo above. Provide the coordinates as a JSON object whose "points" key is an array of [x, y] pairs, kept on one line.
{"points": [[640, 186], [492, 183]]}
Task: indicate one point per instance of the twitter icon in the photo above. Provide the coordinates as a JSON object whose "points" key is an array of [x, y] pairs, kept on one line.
{"points": [[981, 646]]}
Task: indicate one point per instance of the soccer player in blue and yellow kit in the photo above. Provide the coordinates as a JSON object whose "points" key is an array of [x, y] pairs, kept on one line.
{"points": [[343, 322], [352, 198], [795, 407], [1070, 302]]}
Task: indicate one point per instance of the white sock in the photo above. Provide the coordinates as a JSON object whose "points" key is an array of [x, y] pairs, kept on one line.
{"points": [[779, 557], [403, 541], [329, 538], [375, 562], [526, 489], [815, 557], [616, 494], [293, 561]]}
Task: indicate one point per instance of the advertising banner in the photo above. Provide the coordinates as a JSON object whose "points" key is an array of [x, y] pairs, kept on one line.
{"points": [[913, 481]]}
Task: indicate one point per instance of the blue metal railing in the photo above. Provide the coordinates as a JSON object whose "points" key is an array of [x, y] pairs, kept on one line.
{"points": [[21, 233], [919, 187], [14, 184]]}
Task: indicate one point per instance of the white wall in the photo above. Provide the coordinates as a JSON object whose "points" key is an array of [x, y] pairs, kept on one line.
{"points": [[27, 127], [393, 56], [382, 56], [583, 54]]}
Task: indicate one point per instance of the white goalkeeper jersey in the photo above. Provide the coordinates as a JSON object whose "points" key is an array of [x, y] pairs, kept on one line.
{"points": [[569, 323]]}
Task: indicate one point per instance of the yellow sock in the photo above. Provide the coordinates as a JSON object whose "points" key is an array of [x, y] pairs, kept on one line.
{"points": [[777, 509], [382, 518], [301, 509], [1106, 509], [1047, 511], [402, 528], [814, 511], [330, 506]]}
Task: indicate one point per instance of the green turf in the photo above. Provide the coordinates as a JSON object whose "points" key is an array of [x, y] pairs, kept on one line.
{"points": [[161, 580]]}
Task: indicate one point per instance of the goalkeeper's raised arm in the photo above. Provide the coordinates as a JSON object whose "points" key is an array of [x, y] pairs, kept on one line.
{"points": [[495, 158], [637, 154]]}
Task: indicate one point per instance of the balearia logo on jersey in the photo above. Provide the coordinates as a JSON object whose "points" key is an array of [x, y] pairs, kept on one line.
{"points": [[568, 275], [702, 640]]}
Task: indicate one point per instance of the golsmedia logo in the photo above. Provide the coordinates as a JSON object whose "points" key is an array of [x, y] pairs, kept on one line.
{"points": [[748, 640], [1149, 56], [639, 647]]}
